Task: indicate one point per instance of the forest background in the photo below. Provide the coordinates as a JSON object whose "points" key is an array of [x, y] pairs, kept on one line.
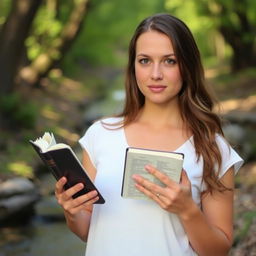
{"points": [[62, 65]]}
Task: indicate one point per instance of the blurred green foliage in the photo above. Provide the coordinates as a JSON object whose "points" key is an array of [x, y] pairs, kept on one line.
{"points": [[107, 30], [5, 6], [199, 25], [18, 154], [16, 112], [209, 20], [46, 29], [109, 25], [248, 218], [21, 168]]}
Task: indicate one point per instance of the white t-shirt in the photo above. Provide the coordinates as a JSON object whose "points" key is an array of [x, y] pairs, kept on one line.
{"points": [[128, 227]]}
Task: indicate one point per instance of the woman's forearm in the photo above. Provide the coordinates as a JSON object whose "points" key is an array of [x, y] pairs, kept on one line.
{"points": [[79, 223], [205, 239]]}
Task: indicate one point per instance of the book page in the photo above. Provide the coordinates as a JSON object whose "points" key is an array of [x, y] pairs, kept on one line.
{"points": [[47, 143], [156, 153], [58, 146], [135, 164], [49, 137]]}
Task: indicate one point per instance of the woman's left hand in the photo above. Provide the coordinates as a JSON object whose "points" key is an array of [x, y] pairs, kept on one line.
{"points": [[174, 197]]}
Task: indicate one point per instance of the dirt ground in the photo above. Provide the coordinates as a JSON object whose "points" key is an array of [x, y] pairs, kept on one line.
{"points": [[245, 212]]}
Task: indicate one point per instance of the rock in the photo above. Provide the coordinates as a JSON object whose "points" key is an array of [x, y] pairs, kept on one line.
{"points": [[16, 203], [241, 117], [17, 195], [234, 133], [242, 138], [16, 186]]}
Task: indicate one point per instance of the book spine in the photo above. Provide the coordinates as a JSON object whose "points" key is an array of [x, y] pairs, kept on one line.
{"points": [[123, 182]]}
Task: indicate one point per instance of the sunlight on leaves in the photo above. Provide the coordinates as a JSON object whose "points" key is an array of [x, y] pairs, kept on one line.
{"points": [[72, 137], [245, 104], [46, 29], [49, 113], [21, 168], [2, 20]]}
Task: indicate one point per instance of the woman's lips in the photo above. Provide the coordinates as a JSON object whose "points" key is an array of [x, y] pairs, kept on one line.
{"points": [[157, 88]]}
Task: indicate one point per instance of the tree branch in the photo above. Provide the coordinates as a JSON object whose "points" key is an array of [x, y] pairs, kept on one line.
{"points": [[13, 34], [46, 61]]}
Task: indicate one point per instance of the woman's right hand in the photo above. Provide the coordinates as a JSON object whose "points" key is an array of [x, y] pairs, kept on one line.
{"points": [[69, 204]]}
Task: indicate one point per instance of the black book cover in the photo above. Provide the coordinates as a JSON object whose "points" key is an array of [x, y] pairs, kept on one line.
{"points": [[62, 162]]}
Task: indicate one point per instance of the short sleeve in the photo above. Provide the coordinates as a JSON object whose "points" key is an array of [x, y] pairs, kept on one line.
{"points": [[229, 156], [87, 142]]}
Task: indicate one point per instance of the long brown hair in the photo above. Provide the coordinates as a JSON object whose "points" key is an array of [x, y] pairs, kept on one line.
{"points": [[195, 102]]}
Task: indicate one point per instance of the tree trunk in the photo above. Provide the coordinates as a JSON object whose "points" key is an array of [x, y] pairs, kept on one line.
{"points": [[238, 33], [31, 75], [244, 54], [12, 37], [241, 38]]}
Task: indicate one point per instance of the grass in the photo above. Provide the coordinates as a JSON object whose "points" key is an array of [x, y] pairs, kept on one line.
{"points": [[248, 218]]}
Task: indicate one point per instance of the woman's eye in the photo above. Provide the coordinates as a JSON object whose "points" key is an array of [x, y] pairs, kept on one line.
{"points": [[144, 61], [170, 61]]}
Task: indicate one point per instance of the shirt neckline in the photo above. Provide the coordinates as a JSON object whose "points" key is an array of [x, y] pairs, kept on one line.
{"points": [[178, 149]]}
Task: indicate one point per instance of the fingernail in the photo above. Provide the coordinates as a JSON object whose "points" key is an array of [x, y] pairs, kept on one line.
{"points": [[148, 167], [94, 193], [135, 176]]}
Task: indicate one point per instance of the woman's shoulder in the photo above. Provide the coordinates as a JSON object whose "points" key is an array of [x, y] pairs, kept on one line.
{"points": [[229, 154], [100, 129], [222, 142], [112, 121], [106, 123]]}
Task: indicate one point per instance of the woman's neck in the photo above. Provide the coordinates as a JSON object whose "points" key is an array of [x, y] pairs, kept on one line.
{"points": [[158, 116]]}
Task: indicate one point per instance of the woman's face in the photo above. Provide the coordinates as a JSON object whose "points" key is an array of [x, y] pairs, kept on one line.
{"points": [[156, 68]]}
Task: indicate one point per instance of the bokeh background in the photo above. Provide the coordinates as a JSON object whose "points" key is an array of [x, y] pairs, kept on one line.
{"points": [[62, 65]]}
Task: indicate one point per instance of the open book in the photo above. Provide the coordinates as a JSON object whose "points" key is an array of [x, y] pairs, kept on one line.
{"points": [[62, 161], [169, 163]]}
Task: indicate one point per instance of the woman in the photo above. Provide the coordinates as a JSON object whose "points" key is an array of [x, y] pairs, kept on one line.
{"points": [[167, 108]]}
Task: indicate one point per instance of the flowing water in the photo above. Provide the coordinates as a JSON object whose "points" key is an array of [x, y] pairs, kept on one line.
{"points": [[45, 234]]}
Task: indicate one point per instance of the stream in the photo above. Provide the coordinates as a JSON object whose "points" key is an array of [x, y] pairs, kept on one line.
{"points": [[44, 234]]}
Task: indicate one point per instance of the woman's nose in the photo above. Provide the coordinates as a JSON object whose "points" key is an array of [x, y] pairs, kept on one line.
{"points": [[156, 73]]}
